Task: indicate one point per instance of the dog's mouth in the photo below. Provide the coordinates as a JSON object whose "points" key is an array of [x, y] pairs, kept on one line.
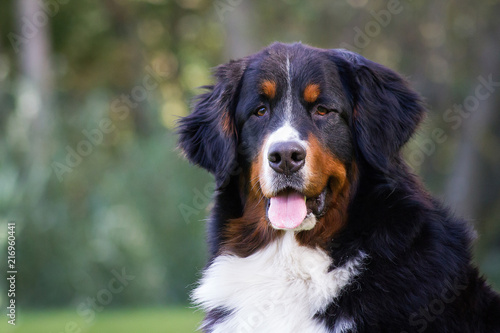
{"points": [[290, 209]]}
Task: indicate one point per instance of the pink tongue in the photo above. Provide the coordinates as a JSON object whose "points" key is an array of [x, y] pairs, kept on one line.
{"points": [[288, 210]]}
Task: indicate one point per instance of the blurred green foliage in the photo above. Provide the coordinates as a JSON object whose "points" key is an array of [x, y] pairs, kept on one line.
{"points": [[133, 201], [151, 320]]}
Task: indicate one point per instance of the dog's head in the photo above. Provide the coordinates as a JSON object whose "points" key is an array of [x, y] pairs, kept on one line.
{"points": [[294, 126]]}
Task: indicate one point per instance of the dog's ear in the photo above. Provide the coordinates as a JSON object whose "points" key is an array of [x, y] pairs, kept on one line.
{"points": [[208, 135], [386, 110]]}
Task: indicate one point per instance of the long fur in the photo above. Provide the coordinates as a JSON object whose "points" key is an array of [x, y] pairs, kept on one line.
{"points": [[416, 272]]}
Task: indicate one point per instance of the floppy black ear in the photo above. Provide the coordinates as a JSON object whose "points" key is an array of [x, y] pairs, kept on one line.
{"points": [[208, 135], [386, 111]]}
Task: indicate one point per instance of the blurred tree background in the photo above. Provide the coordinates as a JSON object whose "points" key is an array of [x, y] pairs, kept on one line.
{"points": [[90, 92]]}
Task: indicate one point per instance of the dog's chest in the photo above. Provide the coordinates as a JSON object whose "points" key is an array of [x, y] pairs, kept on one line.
{"points": [[278, 289]]}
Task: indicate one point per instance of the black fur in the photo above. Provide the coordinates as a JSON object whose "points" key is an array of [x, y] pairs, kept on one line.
{"points": [[419, 277], [387, 111], [201, 134]]}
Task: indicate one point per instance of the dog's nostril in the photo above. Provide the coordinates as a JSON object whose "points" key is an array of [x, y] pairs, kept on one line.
{"points": [[274, 157], [297, 156], [286, 157]]}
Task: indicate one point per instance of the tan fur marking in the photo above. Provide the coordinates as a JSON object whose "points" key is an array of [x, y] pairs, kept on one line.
{"points": [[324, 167], [227, 124], [311, 92], [268, 88]]}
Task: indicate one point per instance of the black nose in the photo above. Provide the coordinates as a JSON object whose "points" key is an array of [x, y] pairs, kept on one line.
{"points": [[286, 157]]}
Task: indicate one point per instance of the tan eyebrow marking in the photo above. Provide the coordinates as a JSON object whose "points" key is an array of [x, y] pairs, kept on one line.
{"points": [[311, 92], [268, 88]]}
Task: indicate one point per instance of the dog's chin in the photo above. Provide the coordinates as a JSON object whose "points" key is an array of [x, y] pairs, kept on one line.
{"points": [[315, 208]]}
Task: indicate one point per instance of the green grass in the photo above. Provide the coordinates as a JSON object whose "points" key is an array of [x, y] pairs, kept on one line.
{"points": [[164, 320]]}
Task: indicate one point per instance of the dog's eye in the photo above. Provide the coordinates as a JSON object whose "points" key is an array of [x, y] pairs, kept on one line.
{"points": [[322, 111], [260, 111]]}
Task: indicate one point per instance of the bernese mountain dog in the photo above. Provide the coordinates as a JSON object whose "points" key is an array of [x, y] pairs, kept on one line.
{"points": [[318, 224]]}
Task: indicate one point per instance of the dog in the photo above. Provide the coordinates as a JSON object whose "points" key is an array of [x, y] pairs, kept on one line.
{"points": [[318, 224]]}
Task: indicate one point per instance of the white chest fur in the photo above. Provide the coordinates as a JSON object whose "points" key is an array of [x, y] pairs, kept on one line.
{"points": [[278, 289]]}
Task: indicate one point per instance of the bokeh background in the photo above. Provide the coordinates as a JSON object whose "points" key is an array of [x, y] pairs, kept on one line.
{"points": [[89, 95]]}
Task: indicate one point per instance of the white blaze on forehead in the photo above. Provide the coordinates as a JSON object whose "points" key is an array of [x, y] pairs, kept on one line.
{"points": [[285, 133], [288, 96]]}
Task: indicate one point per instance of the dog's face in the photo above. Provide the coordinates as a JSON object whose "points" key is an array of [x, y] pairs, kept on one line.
{"points": [[293, 126], [293, 119]]}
